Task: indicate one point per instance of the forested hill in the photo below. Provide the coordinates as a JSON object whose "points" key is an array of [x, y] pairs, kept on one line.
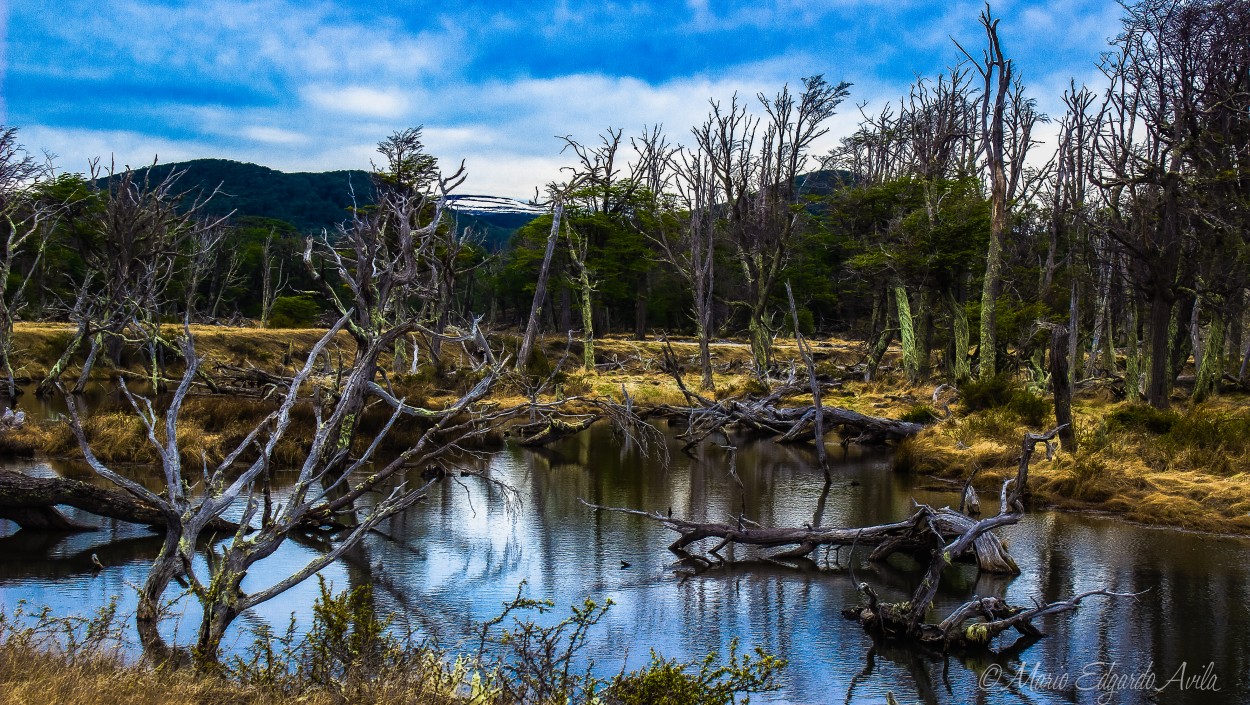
{"points": [[312, 201], [309, 201]]}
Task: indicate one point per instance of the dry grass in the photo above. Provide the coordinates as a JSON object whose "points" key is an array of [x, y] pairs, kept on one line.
{"points": [[31, 676], [1188, 469]]}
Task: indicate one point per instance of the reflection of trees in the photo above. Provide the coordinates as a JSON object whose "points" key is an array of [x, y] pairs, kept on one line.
{"points": [[41, 555]]}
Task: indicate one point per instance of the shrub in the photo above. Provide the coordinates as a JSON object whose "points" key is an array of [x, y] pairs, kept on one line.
{"points": [[1001, 392], [670, 682], [1143, 417], [294, 312], [920, 413]]}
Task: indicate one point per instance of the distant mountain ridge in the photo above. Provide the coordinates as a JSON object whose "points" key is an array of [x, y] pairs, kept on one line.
{"points": [[313, 201]]}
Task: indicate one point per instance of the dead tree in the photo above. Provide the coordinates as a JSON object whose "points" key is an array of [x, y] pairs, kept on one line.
{"points": [[690, 248], [763, 417], [31, 503], [24, 229], [334, 475], [1007, 120], [1170, 143], [558, 197], [755, 162], [378, 260], [819, 413], [138, 238], [906, 620], [906, 536], [936, 537], [272, 284]]}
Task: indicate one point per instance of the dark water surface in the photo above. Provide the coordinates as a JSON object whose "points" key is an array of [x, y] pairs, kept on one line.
{"points": [[457, 557]]}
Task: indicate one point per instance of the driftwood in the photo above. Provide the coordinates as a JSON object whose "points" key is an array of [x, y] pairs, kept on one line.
{"points": [[31, 503], [936, 537], [540, 433], [906, 620], [763, 417], [906, 536]]}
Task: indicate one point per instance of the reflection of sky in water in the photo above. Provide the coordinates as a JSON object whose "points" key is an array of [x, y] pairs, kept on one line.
{"points": [[464, 551]]}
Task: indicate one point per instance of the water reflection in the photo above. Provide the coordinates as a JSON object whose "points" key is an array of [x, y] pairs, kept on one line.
{"points": [[460, 555]]}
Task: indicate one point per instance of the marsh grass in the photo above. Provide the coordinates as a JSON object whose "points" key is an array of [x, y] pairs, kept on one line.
{"points": [[1187, 467]]}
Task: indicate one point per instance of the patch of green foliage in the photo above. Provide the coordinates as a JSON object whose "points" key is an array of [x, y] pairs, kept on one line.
{"points": [[1143, 417], [294, 312], [920, 413], [707, 682], [1002, 392]]}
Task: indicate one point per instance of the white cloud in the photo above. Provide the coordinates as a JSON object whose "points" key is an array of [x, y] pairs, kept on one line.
{"points": [[357, 100], [238, 41], [273, 135], [326, 85]]}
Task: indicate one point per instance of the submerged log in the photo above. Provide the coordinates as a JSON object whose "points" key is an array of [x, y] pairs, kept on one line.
{"points": [[906, 620], [936, 537], [31, 503]]}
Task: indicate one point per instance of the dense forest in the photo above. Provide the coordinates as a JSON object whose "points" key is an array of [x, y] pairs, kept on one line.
{"points": [[941, 223]]}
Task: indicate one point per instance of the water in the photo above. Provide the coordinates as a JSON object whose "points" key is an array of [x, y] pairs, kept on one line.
{"points": [[457, 557]]}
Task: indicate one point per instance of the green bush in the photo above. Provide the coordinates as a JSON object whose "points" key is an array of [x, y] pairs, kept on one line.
{"points": [[294, 312], [992, 393], [1032, 408], [1143, 417], [670, 682], [1210, 430], [1002, 392], [920, 413]]}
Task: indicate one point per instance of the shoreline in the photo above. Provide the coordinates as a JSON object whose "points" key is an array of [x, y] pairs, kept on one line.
{"points": [[1124, 467]]}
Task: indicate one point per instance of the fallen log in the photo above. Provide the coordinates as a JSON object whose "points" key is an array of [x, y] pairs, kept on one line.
{"points": [[553, 429], [31, 503], [906, 536], [906, 620], [764, 417], [925, 534]]}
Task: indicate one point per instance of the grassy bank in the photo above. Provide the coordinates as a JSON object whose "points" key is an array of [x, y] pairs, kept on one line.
{"points": [[1188, 468]]}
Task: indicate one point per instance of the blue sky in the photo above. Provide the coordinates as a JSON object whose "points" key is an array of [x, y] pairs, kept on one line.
{"points": [[310, 85]]}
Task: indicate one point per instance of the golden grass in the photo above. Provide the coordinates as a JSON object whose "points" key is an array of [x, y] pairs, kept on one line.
{"points": [[30, 676], [1194, 477]]}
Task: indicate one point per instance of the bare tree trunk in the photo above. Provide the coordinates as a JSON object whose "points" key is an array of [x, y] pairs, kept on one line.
{"points": [[806, 354], [961, 366], [540, 289], [48, 384], [1062, 382], [1160, 378], [588, 321], [84, 375], [1211, 369], [1074, 326], [149, 611], [640, 307]]}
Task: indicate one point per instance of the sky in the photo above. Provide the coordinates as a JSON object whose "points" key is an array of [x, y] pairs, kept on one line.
{"points": [[313, 85]]}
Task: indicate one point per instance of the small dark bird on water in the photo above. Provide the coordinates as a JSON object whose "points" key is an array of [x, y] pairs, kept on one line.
{"points": [[95, 561], [624, 565]]}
